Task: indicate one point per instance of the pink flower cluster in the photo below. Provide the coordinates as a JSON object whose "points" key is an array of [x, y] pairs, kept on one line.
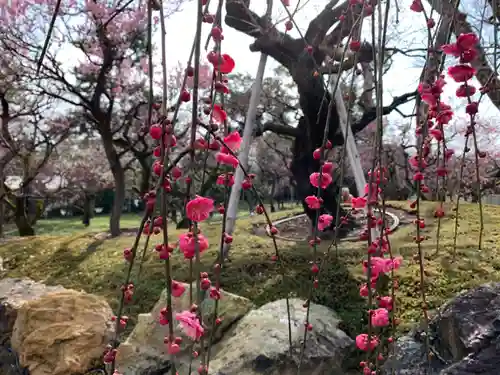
{"points": [[440, 114], [378, 266]]}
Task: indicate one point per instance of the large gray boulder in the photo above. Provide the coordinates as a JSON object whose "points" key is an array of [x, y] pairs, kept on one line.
{"points": [[144, 351], [259, 343], [464, 338]]}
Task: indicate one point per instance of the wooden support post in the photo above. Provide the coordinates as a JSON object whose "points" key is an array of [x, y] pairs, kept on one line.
{"points": [[352, 149]]}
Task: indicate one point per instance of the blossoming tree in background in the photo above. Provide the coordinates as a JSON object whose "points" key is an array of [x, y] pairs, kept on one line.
{"points": [[30, 131], [107, 84], [81, 172]]}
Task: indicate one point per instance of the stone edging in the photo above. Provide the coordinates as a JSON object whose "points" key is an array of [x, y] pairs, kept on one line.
{"points": [[393, 227]]}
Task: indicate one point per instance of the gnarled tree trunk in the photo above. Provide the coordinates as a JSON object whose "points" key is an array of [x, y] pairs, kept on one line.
{"points": [[303, 164], [302, 61]]}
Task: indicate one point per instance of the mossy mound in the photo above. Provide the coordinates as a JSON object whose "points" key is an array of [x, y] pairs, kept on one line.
{"points": [[79, 261]]}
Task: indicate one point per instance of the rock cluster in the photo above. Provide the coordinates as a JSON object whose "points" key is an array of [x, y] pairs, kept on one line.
{"points": [[56, 331], [249, 341]]}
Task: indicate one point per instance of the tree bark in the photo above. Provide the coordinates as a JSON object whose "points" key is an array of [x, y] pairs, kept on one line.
{"points": [[23, 224], [88, 209], [118, 201], [311, 126], [2, 218], [2, 204], [119, 180], [145, 175], [273, 188], [249, 199], [173, 215]]}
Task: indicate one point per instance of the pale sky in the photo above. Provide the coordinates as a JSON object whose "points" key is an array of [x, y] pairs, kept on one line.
{"points": [[181, 30], [403, 77]]}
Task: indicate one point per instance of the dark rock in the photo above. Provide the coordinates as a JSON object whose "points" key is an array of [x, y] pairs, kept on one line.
{"points": [[464, 338], [9, 363], [262, 363], [410, 359], [466, 324]]}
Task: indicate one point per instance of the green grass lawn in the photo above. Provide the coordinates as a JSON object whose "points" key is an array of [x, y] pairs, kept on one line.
{"points": [[100, 223], [75, 259], [70, 225], [67, 253]]}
